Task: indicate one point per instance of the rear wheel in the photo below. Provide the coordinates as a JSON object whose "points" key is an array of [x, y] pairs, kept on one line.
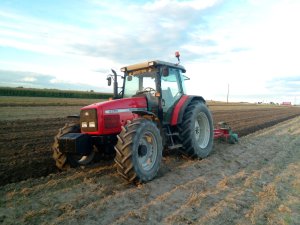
{"points": [[196, 130], [139, 151], [65, 161]]}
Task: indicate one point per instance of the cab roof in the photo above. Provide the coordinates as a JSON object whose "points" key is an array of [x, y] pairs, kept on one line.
{"points": [[152, 63]]}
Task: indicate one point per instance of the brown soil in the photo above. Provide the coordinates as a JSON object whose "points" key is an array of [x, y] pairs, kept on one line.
{"points": [[249, 121], [25, 148], [25, 145], [256, 181]]}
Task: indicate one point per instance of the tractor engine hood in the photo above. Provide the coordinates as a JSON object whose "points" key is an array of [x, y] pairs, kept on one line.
{"points": [[106, 118]]}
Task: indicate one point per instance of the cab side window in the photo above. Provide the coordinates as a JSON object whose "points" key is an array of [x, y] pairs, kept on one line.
{"points": [[170, 89]]}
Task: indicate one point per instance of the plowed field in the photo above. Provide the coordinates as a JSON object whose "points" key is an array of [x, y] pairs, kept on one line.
{"points": [[25, 144], [256, 181]]}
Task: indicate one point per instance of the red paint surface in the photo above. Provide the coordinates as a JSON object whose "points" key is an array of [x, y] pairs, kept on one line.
{"points": [[125, 103], [221, 133], [177, 108]]}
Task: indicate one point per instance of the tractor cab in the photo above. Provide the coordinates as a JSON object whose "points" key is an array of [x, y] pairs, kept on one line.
{"points": [[161, 82]]}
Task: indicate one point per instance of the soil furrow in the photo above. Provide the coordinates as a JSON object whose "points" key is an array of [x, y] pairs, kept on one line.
{"points": [[27, 143]]}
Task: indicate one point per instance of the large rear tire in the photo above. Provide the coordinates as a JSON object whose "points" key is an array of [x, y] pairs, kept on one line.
{"points": [[66, 161], [139, 151], [196, 131]]}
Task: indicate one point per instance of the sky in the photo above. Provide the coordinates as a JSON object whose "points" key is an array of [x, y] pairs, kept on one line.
{"points": [[250, 46]]}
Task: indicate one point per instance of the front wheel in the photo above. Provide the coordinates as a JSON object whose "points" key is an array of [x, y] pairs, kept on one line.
{"points": [[196, 131], [65, 161], [139, 151]]}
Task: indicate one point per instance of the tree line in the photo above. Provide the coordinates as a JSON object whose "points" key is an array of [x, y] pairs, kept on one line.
{"points": [[54, 93]]}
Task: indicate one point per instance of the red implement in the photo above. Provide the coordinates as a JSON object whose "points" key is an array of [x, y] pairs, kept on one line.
{"points": [[224, 132]]}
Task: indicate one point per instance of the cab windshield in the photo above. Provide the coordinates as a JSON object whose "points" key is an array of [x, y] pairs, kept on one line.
{"points": [[136, 83]]}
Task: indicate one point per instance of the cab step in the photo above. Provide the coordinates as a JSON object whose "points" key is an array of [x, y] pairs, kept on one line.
{"points": [[171, 147]]}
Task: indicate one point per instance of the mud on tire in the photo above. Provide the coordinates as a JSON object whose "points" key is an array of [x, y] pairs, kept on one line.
{"points": [[196, 131], [139, 151]]}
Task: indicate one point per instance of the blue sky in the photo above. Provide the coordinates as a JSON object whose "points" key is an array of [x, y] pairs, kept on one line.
{"points": [[251, 45]]}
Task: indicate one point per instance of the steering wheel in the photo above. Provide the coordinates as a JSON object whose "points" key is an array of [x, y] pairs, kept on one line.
{"points": [[147, 89]]}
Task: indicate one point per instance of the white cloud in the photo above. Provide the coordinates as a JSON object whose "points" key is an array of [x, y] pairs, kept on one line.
{"points": [[29, 79], [247, 55], [37, 35], [177, 5], [138, 29], [243, 45]]}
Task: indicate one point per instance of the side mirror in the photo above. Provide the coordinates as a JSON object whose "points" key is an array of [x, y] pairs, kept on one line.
{"points": [[185, 77], [108, 81]]}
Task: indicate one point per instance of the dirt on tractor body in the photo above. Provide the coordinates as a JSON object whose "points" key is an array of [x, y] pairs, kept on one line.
{"points": [[253, 182]]}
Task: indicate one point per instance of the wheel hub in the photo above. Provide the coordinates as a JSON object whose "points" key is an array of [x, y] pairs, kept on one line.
{"points": [[142, 151], [147, 151], [86, 159]]}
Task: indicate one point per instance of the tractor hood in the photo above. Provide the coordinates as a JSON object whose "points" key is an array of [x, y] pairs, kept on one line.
{"points": [[119, 105], [105, 118]]}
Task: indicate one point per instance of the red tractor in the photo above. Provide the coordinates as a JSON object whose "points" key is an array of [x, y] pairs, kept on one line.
{"points": [[149, 113]]}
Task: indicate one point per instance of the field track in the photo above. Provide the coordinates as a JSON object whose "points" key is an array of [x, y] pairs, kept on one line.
{"points": [[256, 181], [25, 145]]}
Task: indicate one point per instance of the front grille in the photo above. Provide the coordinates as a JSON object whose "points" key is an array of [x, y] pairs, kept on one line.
{"points": [[111, 121], [88, 117]]}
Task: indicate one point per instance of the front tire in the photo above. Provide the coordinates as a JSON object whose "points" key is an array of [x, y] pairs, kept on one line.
{"points": [[139, 151], [196, 131], [66, 161]]}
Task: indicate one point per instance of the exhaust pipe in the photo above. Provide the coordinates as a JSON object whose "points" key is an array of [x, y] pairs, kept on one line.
{"points": [[116, 94]]}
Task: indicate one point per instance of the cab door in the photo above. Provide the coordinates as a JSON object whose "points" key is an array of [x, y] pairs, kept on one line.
{"points": [[171, 90]]}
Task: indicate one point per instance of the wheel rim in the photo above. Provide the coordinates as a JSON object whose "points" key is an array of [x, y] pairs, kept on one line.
{"points": [[202, 130], [86, 159], [147, 151]]}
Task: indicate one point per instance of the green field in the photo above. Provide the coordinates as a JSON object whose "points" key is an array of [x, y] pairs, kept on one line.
{"points": [[15, 107], [54, 93], [22, 108], [43, 101]]}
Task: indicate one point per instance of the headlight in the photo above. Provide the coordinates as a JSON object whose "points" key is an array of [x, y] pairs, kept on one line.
{"points": [[92, 124], [88, 120]]}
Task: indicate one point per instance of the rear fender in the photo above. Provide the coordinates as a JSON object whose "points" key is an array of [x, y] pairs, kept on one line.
{"points": [[181, 106]]}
